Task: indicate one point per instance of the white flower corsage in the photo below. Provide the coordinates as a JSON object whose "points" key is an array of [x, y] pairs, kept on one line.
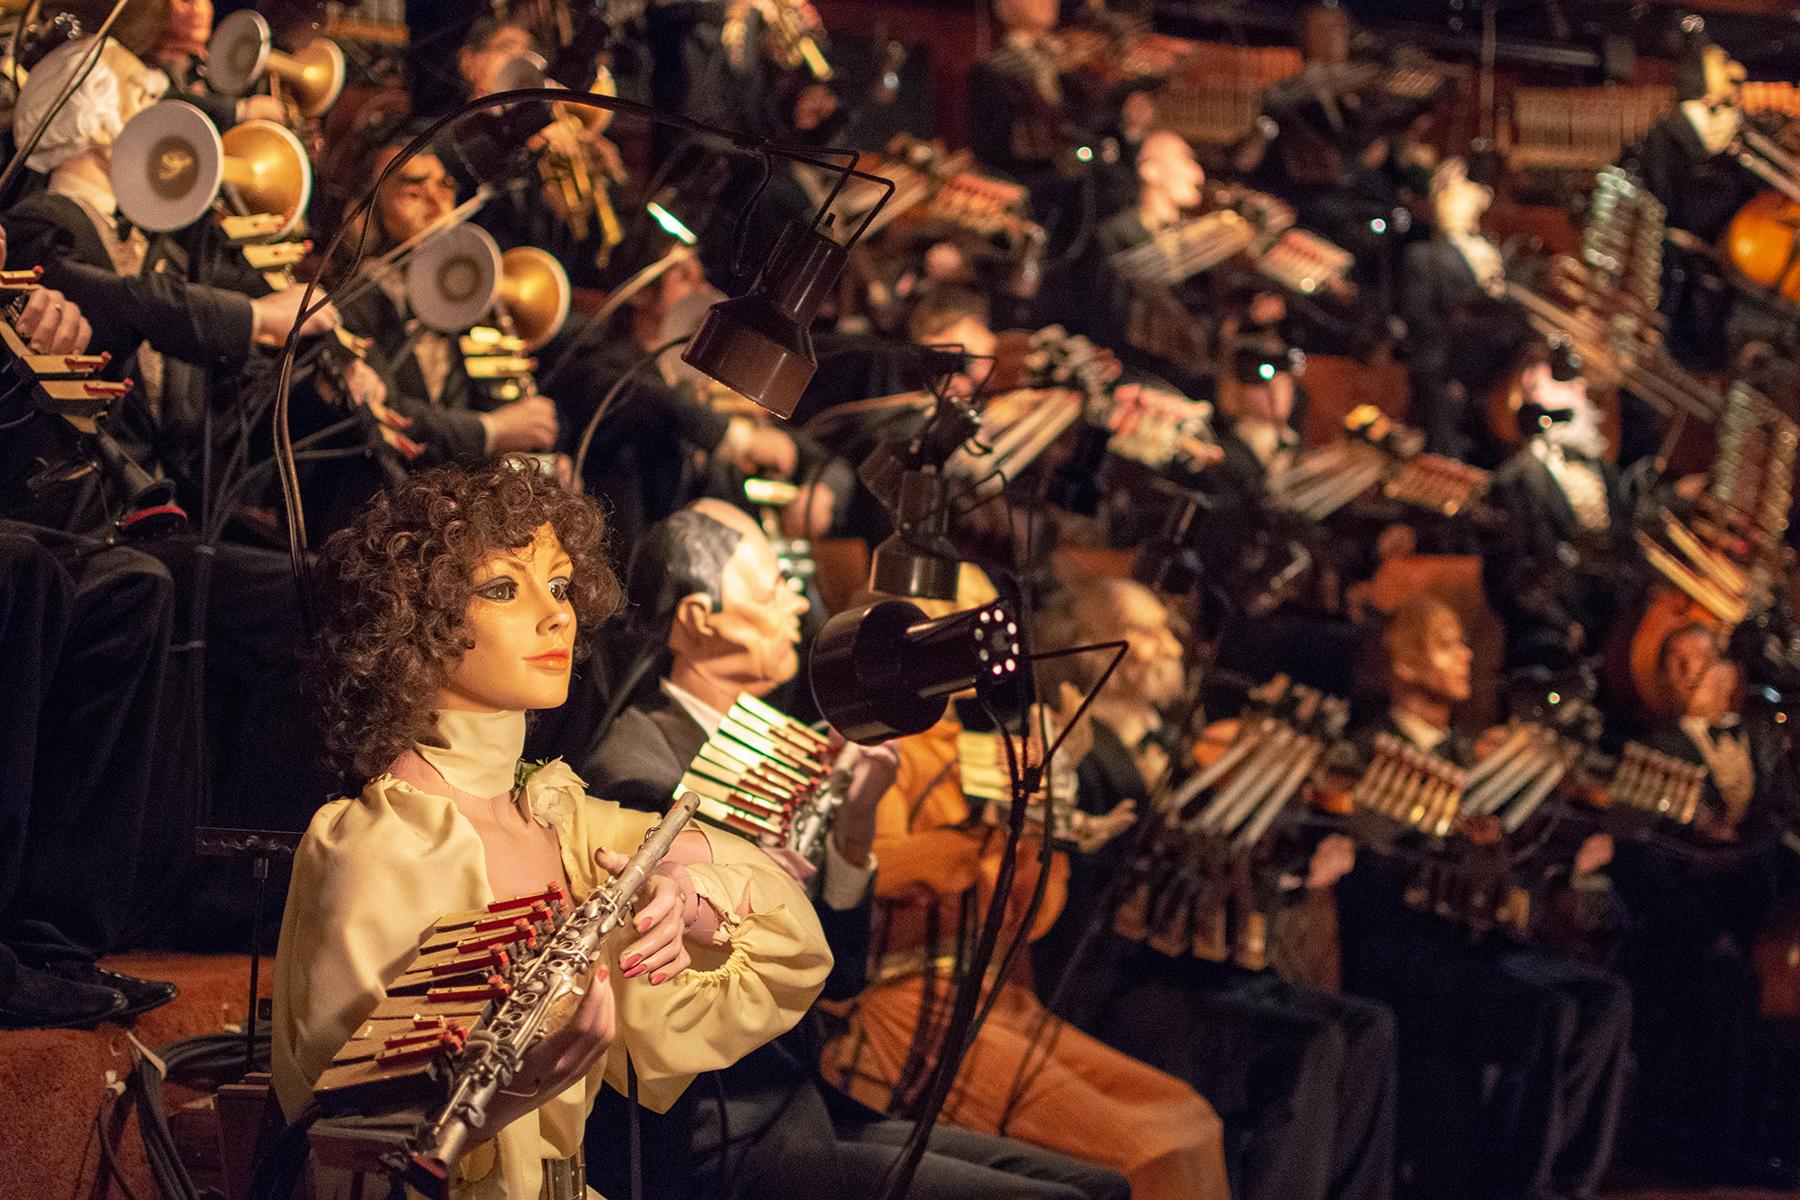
{"points": [[547, 792]]}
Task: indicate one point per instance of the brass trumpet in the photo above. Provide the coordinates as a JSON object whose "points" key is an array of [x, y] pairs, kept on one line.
{"points": [[242, 52], [169, 165]]}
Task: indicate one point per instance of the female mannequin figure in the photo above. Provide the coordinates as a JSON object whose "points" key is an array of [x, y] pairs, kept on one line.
{"points": [[451, 607]]}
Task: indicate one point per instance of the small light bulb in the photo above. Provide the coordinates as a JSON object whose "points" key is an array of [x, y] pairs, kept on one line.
{"points": [[1084, 154]]}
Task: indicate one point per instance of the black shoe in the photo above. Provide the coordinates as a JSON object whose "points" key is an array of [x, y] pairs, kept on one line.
{"points": [[141, 995], [40, 1000]]}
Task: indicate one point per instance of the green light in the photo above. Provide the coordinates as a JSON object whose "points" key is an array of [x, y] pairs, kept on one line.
{"points": [[670, 225], [1266, 370], [1084, 153]]}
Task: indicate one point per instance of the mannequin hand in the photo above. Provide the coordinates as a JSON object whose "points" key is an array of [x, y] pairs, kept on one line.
{"points": [[1331, 860], [524, 424], [273, 315], [560, 1060], [667, 908], [1096, 831], [52, 323], [261, 108], [853, 826], [769, 449], [1490, 740], [1595, 853], [809, 516]]}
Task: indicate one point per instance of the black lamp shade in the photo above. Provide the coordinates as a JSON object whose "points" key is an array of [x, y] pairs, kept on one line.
{"points": [[918, 559], [760, 345], [886, 670]]}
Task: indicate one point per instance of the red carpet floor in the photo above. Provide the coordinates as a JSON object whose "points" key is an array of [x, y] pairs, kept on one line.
{"points": [[53, 1082]]}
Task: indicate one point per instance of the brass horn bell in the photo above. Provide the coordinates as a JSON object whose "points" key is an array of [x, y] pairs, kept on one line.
{"points": [[169, 164], [242, 51], [453, 279], [535, 290]]}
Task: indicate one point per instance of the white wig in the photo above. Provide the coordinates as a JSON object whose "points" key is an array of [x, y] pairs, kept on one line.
{"points": [[95, 111]]}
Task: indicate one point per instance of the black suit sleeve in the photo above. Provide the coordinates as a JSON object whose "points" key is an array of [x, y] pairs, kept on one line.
{"points": [[847, 933], [206, 326]]}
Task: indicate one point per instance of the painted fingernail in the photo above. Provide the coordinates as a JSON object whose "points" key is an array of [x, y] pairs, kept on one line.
{"points": [[634, 972], [631, 960], [600, 974], [657, 978], [645, 924]]}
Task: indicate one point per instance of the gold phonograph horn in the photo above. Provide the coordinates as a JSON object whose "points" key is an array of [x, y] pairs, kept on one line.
{"points": [[169, 164], [535, 290], [453, 279], [242, 51]]}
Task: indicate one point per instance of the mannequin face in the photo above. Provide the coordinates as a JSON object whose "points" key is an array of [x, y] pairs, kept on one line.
{"points": [[1437, 665], [1167, 168], [1458, 205], [523, 628], [751, 644], [1689, 670], [190, 25], [413, 197], [1724, 76], [1026, 16], [1151, 671], [480, 68]]}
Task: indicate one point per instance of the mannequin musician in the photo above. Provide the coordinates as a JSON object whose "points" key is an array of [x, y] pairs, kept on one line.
{"points": [[452, 607], [1468, 1009]]}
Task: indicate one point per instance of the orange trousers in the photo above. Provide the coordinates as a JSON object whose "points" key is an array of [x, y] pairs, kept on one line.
{"points": [[1088, 1100]]}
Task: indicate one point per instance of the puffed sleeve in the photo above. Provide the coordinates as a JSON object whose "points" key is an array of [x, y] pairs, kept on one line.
{"points": [[371, 876], [768, 967]]}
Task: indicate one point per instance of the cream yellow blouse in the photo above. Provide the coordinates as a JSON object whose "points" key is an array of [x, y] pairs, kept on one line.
{"points": [[374, 873]]}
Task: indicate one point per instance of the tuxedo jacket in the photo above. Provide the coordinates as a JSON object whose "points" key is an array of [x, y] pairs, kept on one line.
{"points": [[201, 331], [1694, 899], [1540, 566]]}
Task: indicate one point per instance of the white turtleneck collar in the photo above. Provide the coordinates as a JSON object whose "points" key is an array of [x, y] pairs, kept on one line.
{"points": [[477, 753]]}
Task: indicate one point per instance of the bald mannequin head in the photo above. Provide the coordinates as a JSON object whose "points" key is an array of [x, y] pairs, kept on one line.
{"points": [[1100, 610]]}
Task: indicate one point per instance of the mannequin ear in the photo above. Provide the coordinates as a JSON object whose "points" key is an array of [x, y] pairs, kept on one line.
{"points": [[693, 612]]}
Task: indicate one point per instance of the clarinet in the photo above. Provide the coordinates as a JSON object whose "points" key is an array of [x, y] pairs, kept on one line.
{"points": [[541, 995]]}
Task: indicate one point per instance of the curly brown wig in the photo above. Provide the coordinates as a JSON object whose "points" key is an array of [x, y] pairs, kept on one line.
{"points": [[395, 586]]}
